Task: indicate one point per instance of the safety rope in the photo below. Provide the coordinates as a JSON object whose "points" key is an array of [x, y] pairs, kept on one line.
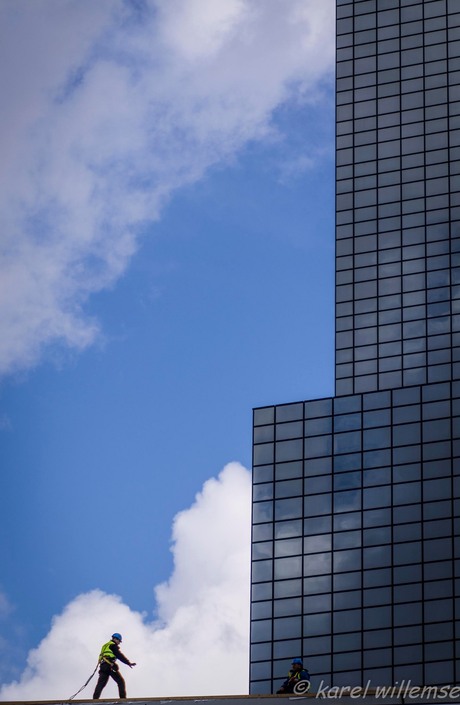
{"points": [[84, 686]]}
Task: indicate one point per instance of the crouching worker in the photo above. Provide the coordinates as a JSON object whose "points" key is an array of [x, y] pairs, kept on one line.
{"points": [[108, 667], [298, 680]]}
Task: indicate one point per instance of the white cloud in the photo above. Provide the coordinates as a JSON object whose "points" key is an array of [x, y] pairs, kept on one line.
{"points": [[203, 613], [5, 606], [109, 107]]}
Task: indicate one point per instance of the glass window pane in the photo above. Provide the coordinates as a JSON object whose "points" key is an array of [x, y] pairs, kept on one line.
{"points": [[284, 471], [347, 422], [288, 488], [346, 642], [261, 631], [288, 588], [263, 454], [316, 624], [287, 529], [317, 544], [377, 537], [317, 564], [347, 539], [288, 508], [347, 621], [316, 585], [408, 613], [262, 491], [318, 466], [289, 412], [317, 427], [263, 473], [263, 549], [345, 561], [262, 512], [347, 599], [288, 547], [407, 553], [377, 438], [317, 505], [317, 525], [262, 532], [316, 485], [347, 501], [262, 591], [265, 415], [263, 434], [376, 497], [377, 617], [376, 557], [289, 430], [289, 450], [317, 446], [288, 567], [318, 603], [406, 493], [347, 480], [287, 627], [261, 571], [347, 521]]}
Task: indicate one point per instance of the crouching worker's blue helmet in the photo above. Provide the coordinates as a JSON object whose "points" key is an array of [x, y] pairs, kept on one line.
{"points": [[117, 636], [296, 660]]}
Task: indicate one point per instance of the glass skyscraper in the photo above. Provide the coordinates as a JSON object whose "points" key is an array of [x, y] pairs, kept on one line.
{"points": [[356, 533]]}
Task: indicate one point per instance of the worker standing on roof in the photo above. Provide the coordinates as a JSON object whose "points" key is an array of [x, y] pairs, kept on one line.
{"points": [[108, 667]]}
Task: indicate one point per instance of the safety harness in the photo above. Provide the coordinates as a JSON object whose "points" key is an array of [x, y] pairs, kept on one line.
{"points": [[107, 655]]}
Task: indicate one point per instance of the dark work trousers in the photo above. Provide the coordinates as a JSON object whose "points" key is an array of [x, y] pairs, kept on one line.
{"points": [[106, 672]]}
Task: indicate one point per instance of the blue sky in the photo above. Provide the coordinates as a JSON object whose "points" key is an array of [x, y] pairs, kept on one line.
{"points": [[168, 255]]}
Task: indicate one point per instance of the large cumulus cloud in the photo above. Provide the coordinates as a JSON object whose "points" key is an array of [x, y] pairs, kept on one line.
{"points": [[201, 620], [108, 107]]}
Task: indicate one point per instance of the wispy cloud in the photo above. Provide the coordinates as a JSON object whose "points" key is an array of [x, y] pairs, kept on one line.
{"points": [[202, 617], [5, 606], [108, 108]]}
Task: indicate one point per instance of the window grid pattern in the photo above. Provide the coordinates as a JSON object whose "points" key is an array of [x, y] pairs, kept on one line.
{"points": [[398, 194], [355, 538], [356, 525]]}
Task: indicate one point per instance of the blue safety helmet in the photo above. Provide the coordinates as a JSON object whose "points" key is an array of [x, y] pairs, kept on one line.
{"points": [[117, 636], [296, 660]]}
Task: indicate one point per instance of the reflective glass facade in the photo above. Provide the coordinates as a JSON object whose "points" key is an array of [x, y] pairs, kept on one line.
{"points": [[356, 498], [398, 192]]}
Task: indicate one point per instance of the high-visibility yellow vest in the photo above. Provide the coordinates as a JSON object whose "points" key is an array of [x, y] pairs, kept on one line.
{"points": [[107, 653]]}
